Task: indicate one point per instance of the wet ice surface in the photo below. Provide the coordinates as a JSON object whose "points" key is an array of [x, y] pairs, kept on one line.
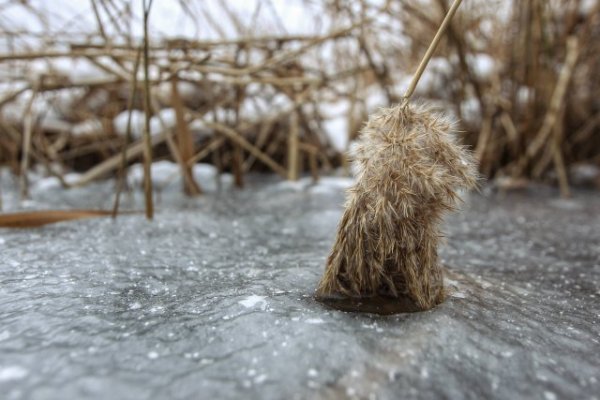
{"points": [[213, 299]]}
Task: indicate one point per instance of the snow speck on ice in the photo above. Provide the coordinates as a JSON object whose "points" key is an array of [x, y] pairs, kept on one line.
{"points": [[254, 300], [12, 373]]}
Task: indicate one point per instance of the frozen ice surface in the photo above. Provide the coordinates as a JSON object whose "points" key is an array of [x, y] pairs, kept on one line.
{"points": [[214, 300]]}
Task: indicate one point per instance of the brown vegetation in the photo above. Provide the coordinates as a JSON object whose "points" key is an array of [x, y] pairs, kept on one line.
{"points": [[531, 113], [410, 169]]}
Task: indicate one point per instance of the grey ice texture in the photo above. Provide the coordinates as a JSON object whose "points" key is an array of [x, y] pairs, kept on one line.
{"points": [[214, 300]]}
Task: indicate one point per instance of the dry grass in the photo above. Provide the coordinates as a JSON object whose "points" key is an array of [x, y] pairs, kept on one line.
{"points": [[532, 116]]}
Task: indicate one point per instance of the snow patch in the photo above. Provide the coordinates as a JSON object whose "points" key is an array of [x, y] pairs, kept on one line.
{"points": [[87, 128], [163, 173], [12, 373], [482, 65], [254, 300], [137, 123]]}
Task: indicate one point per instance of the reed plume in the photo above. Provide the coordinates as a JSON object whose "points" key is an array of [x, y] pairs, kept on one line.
{"points": [[410, 170]]}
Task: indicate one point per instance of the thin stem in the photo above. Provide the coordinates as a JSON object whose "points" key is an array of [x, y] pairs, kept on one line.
{"points": [[429, 53], [148, 110], [128, 135]]}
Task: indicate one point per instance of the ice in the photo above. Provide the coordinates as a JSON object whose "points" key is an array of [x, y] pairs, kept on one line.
{"points": [[212, 289]]}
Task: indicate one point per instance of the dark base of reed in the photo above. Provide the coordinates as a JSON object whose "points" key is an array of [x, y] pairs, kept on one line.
{"points": [[379, 304]]}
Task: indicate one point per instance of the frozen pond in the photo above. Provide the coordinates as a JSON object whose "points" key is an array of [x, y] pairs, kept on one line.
{"points": [[213, 300]]}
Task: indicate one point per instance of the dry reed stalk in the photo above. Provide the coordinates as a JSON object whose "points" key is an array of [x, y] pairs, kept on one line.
{"points": [[35, 219], [187, 57], [215, 144], [27, 134], [558, 159], [237, 157], [185, 141], [239, 139], [148, 109], [410, 169], [134, 150], [261, 140], [128, 138], [11, 96], [314, 166], [293, 150]]}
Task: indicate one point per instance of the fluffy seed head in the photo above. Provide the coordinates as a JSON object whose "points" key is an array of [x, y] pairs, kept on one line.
{"points": [[409, 170]]}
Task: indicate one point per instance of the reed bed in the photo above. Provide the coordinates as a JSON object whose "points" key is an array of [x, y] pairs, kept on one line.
{"points": [[522, 77]]}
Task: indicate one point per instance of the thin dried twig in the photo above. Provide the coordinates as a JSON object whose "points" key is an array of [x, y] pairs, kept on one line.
{"points": [[147, 111], [123, 169], [27, 133]]}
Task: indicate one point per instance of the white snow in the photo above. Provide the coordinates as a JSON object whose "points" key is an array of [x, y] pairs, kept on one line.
{"points": [[53, 123], [332, 183], [205, 172], [471, 111], [163, 173], [459, 295], [587, 6], [165, 119], [375, 98], [200, 130], [336, 123], [524, 95], [88, 127], [137, 123], [254, 300], [549, 395], [482, 65], [260, 379], [187, 92], [12, 373], [4, 335], [314, 321], [52, 182]]}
